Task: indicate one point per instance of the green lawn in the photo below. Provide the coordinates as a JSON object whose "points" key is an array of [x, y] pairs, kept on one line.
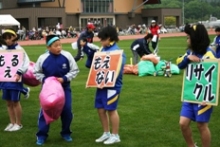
{"points": [[149, 108]]}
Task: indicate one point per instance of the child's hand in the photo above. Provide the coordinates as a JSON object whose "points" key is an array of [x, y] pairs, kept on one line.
{"points": [[203, 103], [194, 58], [17, 77], [60, 80]]}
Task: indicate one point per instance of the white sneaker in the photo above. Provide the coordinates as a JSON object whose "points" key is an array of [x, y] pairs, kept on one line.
{"points": [[196, 145], [113, 139], [9, 126], [104, 137], [28, 93], [15, 127]]}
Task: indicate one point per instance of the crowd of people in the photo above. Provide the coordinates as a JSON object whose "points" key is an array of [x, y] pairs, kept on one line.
{"points": [[198, 48], [71, 32], [40, 33]]}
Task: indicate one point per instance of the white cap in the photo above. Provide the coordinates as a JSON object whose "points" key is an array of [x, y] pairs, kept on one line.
{"points": [[153, 21]]}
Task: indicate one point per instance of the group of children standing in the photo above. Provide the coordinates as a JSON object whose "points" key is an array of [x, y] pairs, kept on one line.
{"points": [[51, 64], [61, 64]]}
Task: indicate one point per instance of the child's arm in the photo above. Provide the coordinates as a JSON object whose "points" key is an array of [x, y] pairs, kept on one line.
{"points": [[183, 61], [93, 46], [82, 35], [74, 70], [79, 51], [79, 54], [38, 71], [214, 41]]}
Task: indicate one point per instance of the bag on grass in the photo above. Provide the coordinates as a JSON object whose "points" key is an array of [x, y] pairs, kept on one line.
{"points": [[175, 69], [52, 99], [29, 78], [159, 67], [151, 57], [145, 68]]}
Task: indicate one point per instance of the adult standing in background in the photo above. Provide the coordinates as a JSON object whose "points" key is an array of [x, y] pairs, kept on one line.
{"points": [[154, 30], [24, 33]]}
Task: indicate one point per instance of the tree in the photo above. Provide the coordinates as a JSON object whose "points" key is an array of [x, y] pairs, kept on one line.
{"points": [[170, 21], [195, 10]]}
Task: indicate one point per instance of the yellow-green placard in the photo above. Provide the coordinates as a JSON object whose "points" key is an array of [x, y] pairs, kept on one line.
{"points": [[201, 82]]}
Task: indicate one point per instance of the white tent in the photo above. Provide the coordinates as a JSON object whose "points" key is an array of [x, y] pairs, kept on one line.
{"points": [[8, 20]]}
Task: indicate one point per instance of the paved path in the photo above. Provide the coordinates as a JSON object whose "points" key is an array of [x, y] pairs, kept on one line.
{"points": [[70, 40]]}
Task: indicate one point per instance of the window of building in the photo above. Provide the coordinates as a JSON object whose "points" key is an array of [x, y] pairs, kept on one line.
{"points": [[0, 5], [33, 1], [97, 6]]}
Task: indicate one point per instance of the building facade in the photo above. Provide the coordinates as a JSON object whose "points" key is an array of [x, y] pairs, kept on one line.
{"points": [[77, 13]]}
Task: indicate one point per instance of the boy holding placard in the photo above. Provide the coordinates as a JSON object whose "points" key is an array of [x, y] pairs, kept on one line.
{"points": [[107, 98], [12, 85], [60, 64], [198, 44]]}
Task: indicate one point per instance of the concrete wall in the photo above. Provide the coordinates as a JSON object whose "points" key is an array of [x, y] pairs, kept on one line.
{"points": [[125, 6], [159, 14], [71, 6], [123, 21]]}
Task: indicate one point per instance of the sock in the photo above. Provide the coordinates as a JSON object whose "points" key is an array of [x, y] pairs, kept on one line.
{"points": [[116, 135], [108, 133]]}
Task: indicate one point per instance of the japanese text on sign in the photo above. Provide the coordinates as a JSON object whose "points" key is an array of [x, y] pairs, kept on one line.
{"points": [[103, 72], [201, 83], [10, 62]]}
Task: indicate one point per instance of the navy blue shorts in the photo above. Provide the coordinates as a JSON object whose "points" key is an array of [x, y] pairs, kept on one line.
{"points": [[196, 112], [106, 99], [11, 95]]}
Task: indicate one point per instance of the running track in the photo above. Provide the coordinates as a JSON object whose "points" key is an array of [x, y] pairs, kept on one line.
{"points": [[70, 40]]}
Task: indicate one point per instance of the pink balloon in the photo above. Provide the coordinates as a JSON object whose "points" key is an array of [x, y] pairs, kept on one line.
{"points": [[52, 99], [29, 78]]}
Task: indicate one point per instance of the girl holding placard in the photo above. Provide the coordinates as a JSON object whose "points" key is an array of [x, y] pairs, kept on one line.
{"points": [[198, 44], [14, 86]]}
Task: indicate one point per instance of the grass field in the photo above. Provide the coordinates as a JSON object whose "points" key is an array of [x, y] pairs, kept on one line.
{"points": [[149, 109]]}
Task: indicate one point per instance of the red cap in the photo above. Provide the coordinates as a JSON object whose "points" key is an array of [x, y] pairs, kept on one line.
{"points": [[90, 26]]}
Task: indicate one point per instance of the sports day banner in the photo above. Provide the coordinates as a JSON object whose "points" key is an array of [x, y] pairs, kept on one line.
{"points": [[105, 68], [10, 62], [201, 82]]}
